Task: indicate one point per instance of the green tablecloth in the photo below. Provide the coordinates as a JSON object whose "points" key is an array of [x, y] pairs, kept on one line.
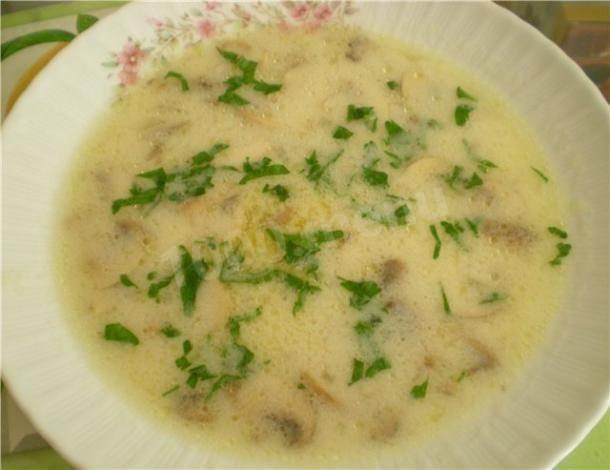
{"points": [[592, 453]]}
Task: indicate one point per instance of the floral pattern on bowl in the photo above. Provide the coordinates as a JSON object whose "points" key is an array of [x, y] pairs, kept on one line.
{"points": [[212, 19]]}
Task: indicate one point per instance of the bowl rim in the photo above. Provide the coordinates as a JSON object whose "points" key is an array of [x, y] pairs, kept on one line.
{"points": [[21, 108]]}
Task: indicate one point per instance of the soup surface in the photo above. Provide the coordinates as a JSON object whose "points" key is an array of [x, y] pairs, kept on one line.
{"points": [[318, 245]]}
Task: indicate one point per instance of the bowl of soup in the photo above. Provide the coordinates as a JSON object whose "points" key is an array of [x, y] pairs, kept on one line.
{"points": [[314, 234]]}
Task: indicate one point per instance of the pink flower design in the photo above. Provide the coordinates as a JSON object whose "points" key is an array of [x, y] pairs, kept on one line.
{"points": [[299, 11], [129, 59], [206, 28], [323, 12], [155, 22], [209, 6]]}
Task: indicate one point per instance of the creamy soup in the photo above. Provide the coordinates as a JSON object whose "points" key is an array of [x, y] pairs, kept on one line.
{"points": [[312, 245]]}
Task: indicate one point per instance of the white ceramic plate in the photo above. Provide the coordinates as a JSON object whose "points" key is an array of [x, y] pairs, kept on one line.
{"points": [[560, 395]]}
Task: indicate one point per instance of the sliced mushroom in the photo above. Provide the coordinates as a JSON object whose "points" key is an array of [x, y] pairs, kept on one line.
{"points": [[291, 429], [486, 359], [511, 234], [392, 270], [192, 408], [356, 49], [317, 390], [385, 425]]}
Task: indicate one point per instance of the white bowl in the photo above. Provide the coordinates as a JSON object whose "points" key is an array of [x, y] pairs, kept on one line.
{"points": [[559, 396]]}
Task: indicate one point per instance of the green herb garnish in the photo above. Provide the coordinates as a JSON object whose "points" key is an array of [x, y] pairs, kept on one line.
{"points": [[437, 241], [261, 169], [390, 215], [193, 273], [362, 292], [563, 250], [367, 328], [473, 225], [279, 191], [539, 173], [365, 113], [117, 332], [317, 172], [473, 181], [460, 93], [182, 363], [462, 113], [392, 84], [342, 133], [378, 365], [446, 307], [248, 70], [454, 177], [494, 297], [462, 376], [124, 279], [419, 391], [220, 383], [453, 230], [192, 181], [154, 289], [374, 177], [198, 373], [557, 231], [234, 322], [169, 331], [357, 371], [184, 84], [171, 390], [482, 164], [301, 386], [303, 247]]}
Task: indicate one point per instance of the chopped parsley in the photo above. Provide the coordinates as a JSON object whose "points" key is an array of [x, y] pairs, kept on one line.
{"points": [[494, 297], [482, 164], [419, 391], [364, 113], [392, 84], [117, 332], [231, 272], [446, 306], [169, 331], [473, 225], [563, 250], [198, 373], [124, 279], [189, 182], [391, 214], [558, 232], [220, 383], [378, 365], [170, 391], [235, 321], [462, 376], [184, 84], [456, 177], [279, 191], [261, 169], [453, 230], [342, 133], [154, 289], [437, 242], [187, 347], [248, 70], [367, 328], [473, 181], [182, 363], [370, 175], [362, 292], [539, 173], [357, 371], [193, 273], [462, 114], [317, 172], [303, 247], [461, 93], [301, 386], [360, 371]]}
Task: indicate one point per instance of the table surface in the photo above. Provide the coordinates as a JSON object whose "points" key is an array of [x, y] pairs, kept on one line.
{"points": [[22, 448]]}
